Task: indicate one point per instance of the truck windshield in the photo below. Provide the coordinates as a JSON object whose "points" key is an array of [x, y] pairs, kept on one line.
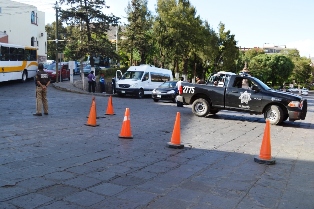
{"points": [[137, 75], [259, 82]]}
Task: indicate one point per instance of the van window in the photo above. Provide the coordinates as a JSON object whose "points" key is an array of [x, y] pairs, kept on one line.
{"points": [[146, 76], [159, 77], [133, 75]]}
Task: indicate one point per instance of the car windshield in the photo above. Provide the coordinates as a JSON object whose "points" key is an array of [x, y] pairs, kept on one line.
{"points": [[168, 85], [137, 75], [53, 67], [88, 67]]}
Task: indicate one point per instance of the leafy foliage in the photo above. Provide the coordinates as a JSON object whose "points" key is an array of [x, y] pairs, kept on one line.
{"points": [[137, 31], [176, 38], [274, 68], [92, 23]]}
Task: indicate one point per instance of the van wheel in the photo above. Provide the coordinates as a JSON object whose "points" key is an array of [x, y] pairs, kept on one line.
{"points": [[24, 76], [140, 94], [200, 107]]}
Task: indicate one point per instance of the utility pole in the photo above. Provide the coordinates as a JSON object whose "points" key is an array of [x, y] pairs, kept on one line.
{"points": [[57, 54]]}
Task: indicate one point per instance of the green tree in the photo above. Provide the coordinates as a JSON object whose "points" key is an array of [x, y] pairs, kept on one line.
{"points": [[302, 71], [93, 24], [274, 68], [178, 29], [248, 55], [51, 34], [228, 50], [138, 31]]}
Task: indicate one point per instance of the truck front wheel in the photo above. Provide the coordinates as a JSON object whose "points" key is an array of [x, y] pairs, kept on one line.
{"points": [[275, 114], [200, 107]]}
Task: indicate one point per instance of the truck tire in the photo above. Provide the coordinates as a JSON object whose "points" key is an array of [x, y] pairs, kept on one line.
{"points": [[275, 114], [200, 107]]}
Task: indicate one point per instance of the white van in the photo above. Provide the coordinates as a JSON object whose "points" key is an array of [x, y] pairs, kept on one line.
{"points": [[141, 80]]}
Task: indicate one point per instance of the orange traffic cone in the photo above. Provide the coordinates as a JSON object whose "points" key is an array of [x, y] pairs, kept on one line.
{"points": [[91, 121], [110, 110], [175, 139], [265, 152], [126, 126]]}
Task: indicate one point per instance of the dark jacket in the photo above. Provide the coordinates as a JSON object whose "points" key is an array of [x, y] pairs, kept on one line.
{"points": [[42, 77]]}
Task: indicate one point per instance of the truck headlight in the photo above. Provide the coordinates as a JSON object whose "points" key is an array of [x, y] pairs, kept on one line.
{"points": [[295, 104]]}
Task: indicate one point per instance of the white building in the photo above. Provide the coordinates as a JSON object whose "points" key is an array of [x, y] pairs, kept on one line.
{"points": [[24, 25]]}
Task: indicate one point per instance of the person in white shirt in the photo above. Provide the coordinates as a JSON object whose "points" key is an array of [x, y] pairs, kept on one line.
{"points": [[179, 84]]}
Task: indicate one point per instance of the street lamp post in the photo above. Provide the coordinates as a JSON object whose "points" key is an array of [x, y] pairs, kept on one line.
{"points": [[57, 54]]}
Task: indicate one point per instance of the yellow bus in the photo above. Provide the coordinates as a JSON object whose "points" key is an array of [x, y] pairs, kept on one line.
{"points": [[17, 62]]}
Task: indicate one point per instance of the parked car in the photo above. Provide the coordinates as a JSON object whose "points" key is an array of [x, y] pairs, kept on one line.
{"points": [[87, 70], [304, 91], [166, 91], [63, 68], [293, 90], [77, 70]]}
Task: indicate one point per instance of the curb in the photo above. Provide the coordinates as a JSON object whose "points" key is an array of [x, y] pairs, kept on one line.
{"points": [[78, 90]]}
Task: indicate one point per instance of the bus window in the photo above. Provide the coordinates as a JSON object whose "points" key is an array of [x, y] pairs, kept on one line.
{"points": [[5, 51], [30, 55], [13, 54], [20, 54]]}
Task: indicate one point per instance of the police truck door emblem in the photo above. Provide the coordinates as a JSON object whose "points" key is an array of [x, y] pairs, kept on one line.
{"points": [[245, 97]]}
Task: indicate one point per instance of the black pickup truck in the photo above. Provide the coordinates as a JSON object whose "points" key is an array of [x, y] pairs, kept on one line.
{"points": [[244, 93]]}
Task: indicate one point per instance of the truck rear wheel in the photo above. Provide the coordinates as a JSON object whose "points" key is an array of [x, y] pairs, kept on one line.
{"points": [[275, 114], [200, 107]]}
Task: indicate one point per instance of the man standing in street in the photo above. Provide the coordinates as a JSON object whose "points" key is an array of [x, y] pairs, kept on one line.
{"points": [[42, 82]]}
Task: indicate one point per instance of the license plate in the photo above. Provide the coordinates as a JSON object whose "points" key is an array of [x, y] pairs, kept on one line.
{"points": [[158, 96], [122, 92]]}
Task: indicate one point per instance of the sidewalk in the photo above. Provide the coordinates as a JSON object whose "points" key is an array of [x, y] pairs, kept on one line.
{"points": [[76, 87]]}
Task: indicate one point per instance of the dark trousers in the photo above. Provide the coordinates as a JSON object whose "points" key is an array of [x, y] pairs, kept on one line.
{"points": [[102, 87], [91, 86]]}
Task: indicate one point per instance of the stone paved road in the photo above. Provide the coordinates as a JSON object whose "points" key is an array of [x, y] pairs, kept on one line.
{"points": [[56, 161]]}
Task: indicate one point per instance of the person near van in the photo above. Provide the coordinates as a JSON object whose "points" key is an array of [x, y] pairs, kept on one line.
{"points": [[42, 82], [91, 82], [102, 83], [179, 84]]}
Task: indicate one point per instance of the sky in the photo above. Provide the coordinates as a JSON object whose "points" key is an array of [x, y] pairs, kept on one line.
{"points": [[256, 23]]}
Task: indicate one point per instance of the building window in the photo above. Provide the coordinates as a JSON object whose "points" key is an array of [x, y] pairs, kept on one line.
{"points": [[32, 41], [33, 18]]}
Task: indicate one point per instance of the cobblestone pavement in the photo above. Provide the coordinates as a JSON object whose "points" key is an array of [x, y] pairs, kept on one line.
{"points": [[56, 161]]}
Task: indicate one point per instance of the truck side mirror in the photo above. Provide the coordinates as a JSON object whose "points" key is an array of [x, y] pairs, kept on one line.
{"points": [[255, 88]]}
